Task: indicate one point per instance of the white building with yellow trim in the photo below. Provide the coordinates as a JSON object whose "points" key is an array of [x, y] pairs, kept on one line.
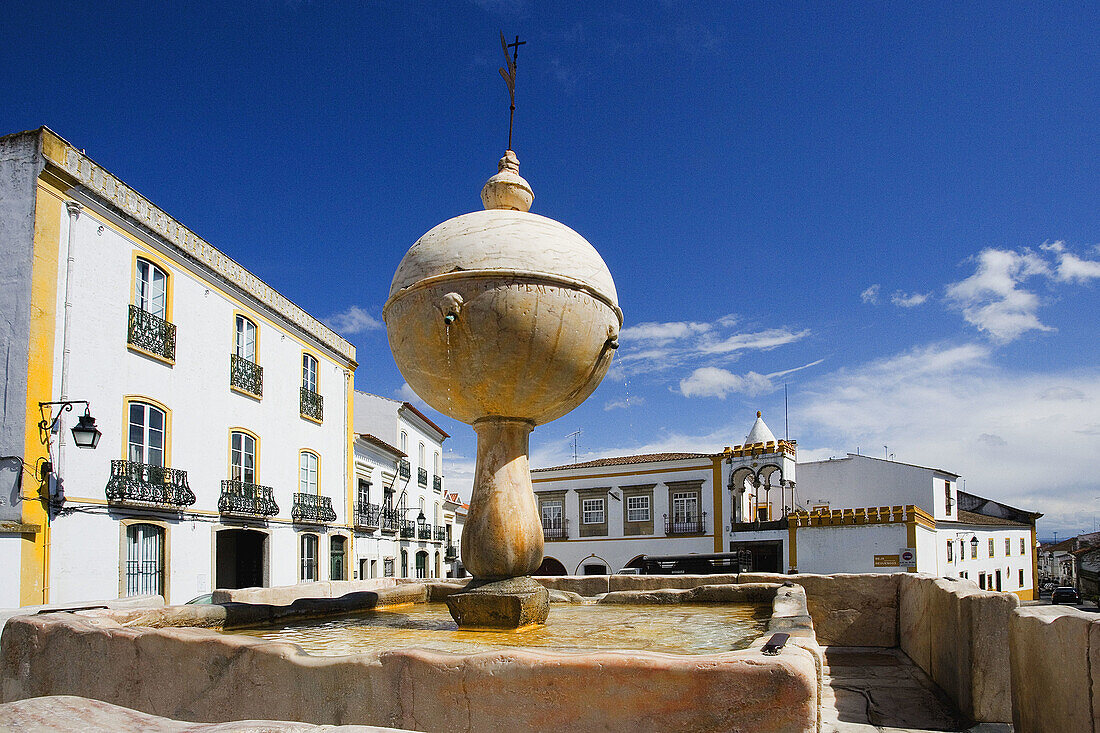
{"points": [[225, 410], [855, 514]]}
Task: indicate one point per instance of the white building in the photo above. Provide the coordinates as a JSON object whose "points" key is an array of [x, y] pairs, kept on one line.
{"points": [[856, 514], [225, 410], [406, 525]]}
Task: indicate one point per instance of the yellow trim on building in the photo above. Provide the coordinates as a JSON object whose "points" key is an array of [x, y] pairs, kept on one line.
{"points": [[154, 258], [255, 454], [911, 539], [34, 560], [349, 450], [716, 486], [792, 544], [126, 400]]}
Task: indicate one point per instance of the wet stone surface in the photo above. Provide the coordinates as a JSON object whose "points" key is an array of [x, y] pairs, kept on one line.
{"points": [[690, 629]]}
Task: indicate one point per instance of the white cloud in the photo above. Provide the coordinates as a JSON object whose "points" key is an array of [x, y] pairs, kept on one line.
{"points": [[624, 404], [870, 295], [1072, 268], [760, 340], [991, 298], [716, 382], [909, 301], [949, 407], [353, 320], [663, 333]]}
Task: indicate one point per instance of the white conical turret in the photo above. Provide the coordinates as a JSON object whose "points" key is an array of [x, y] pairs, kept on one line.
{"points": [[759, 432]]}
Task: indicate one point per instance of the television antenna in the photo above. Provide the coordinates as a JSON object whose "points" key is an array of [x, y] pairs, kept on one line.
{"points": [[574, 435]]}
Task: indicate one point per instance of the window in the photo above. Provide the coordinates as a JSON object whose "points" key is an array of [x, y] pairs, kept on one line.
{"points": [[947, 496], [421, 564], [151, 289], [551, 515], [246, 339], [950, 551], [404, 564], [336, 557], [685, 507], [637, 509], [592, 511], [1008, 546], [1021, 578], [364, 493], [309, 557], [307, 472], [973, 550], [242, 457], [420, 455], [981, 580], [146, 434], [1022, 546], [404, 442], [991, 547], [309, 373], [437, 470], [144, 560], [387, 567]]}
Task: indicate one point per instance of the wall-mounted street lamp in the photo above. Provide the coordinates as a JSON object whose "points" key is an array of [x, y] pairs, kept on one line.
{"points": [[85, 433]]}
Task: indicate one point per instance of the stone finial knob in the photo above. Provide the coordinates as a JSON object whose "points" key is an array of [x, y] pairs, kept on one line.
{"points": [[507, 189]]}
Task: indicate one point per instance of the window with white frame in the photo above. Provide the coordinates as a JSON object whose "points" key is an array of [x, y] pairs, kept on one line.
{"points": [[309, 557], [1022, 546], [637, 509], [991, 547], [146, 434], [551, 514], [950, 551], [685, 507], [151, 289], [592, 511], [307, 472], [242, 457], [144, 560], [309, 372], [404, 442], [1008, 546], [246, 339]]}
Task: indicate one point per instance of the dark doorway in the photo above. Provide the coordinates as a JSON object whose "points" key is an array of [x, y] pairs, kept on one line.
{"points": [[239, 559], [550, 566]]}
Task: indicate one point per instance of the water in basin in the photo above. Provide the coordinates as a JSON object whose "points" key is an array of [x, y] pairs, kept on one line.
{"points": [[687, 629]]}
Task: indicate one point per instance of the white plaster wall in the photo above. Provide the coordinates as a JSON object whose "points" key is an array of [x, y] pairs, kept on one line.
{"points": [[861, 481], [1009, 565], [10, 554], [203, 410], [848, 548]]}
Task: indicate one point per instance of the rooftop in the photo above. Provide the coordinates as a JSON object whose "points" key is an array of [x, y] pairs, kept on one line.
{"points": [[627, 460], [378, 442]]}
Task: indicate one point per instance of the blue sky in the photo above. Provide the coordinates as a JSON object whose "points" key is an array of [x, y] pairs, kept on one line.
{"points": [[892, 208]]}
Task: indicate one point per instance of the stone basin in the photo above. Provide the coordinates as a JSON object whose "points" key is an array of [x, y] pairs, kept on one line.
{"points": [[172, 661]]}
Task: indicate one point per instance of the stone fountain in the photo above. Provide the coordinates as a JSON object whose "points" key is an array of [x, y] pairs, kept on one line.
{"points": [[504, 320]]}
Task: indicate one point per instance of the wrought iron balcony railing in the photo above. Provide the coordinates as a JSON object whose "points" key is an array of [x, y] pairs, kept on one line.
{"points": [[391, 519], [408, 528], [404, 470], [312, 509], [239, 497], [424, 532], [450, 554], [559, 532], [143, 483], [422, 476], [151, 333], [685, 526], [440, 534], [368, 516], [313, 405], [246, 375], [437, 483]]}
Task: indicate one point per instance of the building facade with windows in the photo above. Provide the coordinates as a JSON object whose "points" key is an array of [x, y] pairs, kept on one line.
{"points": [[855, 514], [225, 410], [406, 525]]}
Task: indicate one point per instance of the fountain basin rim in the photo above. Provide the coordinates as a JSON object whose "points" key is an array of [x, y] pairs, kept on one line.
{"points": [[531, 276]]}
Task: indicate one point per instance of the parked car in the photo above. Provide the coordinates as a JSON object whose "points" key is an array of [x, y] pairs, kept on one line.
{"points": [[1065, 594]]}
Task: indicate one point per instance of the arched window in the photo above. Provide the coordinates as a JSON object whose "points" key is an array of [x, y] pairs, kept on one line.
{"points": [[309, 557], [242, 457], [246, 339], [420, 455], [336, 558], [146, 434], [404, 563], [144, 560], [151, 289], [307, 472], [404, 442], [309, 372], [421, 564]]}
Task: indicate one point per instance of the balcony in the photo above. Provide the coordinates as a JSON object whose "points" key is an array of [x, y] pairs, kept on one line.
{"points": [[759, 525], [422, 476], [440, 534], [404, 470], [437, 483], [239, 497], [424, 532], [391, 520], [560, 532], [408, 529], [146, 484], [312, 509], [151, 334], [312, 405], [686, 526], [246, 376], [368, 516], [451, 553]]}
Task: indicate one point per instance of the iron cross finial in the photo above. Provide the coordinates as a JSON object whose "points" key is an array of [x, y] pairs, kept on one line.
{"points": [[508, 73]]}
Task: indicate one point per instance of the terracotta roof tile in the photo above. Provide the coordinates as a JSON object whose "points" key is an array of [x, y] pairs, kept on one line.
{"points": [[971, 518], [368, 438], [627, 460]]}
